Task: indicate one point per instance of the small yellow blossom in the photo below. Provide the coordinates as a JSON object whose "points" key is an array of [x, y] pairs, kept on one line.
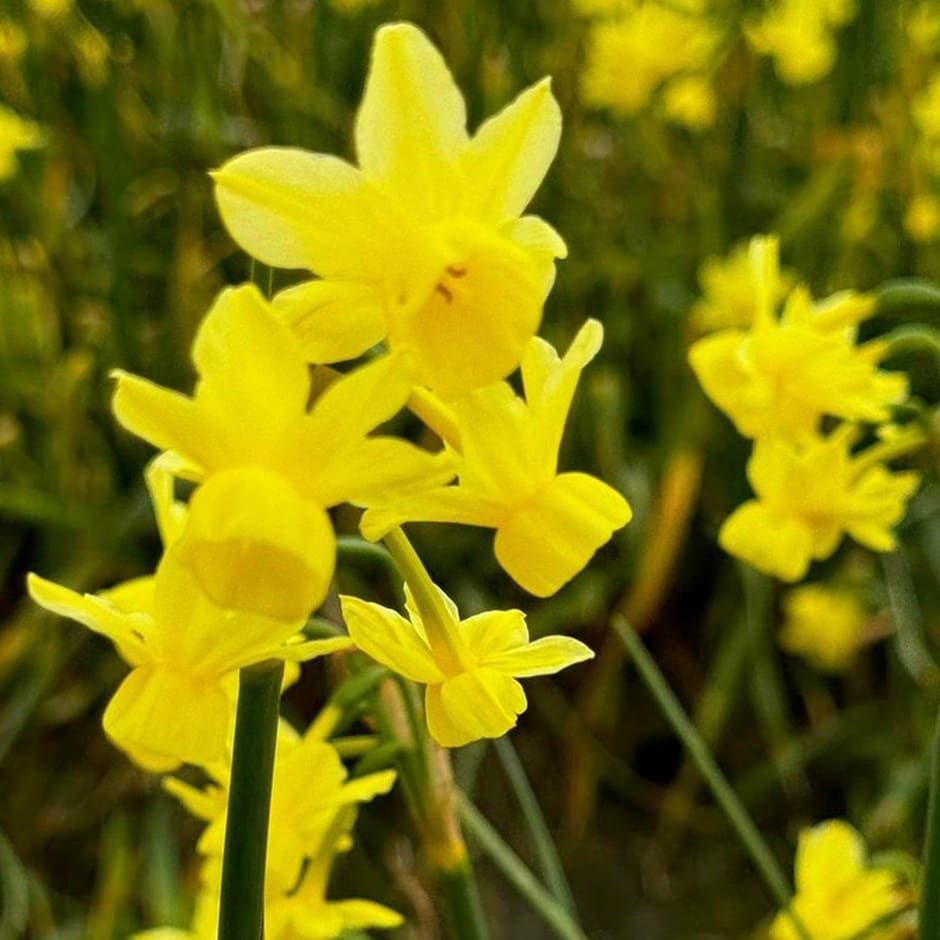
{"points": [[16, 133], [259, 537], [784, 374], [548, 525], [690, 101], [922, 217], [826, 625], [470, 667], [925, 110], [922, 25], [808, 497], [425, 242], [838, 894]]}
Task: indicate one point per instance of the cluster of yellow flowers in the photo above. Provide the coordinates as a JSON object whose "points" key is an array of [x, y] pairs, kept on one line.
{"points": [[778, 380], [425, 265]]}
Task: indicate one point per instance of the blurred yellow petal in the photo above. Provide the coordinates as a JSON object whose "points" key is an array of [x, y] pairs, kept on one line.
{"points": [[547, 541], [412, 122], [294, 209], [509, 155], [543, 657], [778, 545], [389, 639], [333, 320], [255, 545], [482, 703]]}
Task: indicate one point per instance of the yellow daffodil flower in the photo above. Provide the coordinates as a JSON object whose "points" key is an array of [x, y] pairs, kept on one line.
{"points": [[16, 133], [838, 894], [470, 667], [826, 625], [783, 375], [548, 525], [808, 497], [424, 242], [258, 536]]}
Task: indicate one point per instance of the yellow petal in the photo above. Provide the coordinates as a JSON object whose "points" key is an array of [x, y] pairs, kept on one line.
{"points": [[255, 545], [333, 320], [170, 514], [135, 596], [294, 209], [167, 420], [509, 155], [483, 703], [412, 122], [830, 853], [544, 657], [778, 545], [541, 242], [170, 715], [544, 543], [389, 639], [443, 504], [494, 632], [358, 915]]}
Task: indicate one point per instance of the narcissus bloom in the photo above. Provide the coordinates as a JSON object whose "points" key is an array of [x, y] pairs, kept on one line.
{"points": [[470, 667], [548, 525], [808, 497], [783, 375], [258, 536], [424, 242], [838, 894], [826, 625]]}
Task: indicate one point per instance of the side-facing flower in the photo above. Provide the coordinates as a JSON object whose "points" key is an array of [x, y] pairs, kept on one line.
{"points": [[259, 537], [424, 242], [839, 895], [470, 667], [808, 496], [548, 525]]}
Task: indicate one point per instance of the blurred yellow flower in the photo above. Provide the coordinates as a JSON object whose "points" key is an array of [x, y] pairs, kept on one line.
{"points": [[925, 110], [16, 133], [808, 496], [12, 41], [548, 525], [259, 537], [825, 625], [922, 217], [424, 243], [51, 9], [690, 101], [838, 894], [470, 667], [784, 374]]}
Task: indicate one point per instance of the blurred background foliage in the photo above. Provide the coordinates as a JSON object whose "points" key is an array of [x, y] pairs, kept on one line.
{"points": [[111, 114]]}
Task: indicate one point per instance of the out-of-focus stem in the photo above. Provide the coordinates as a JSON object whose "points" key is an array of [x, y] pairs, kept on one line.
{"points": [[930, 890]]}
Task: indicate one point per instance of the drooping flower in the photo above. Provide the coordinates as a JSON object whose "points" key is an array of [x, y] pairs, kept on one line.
{"points": [[839, 895], [548, 525], [808, 497], [424, 242], [258, 537], [826, 625], [470, 667], [784, 374]]}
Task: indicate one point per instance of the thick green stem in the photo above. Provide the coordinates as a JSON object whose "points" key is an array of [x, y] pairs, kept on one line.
{"points": [[930, 890], [241, 915], [698, 750], [462, 901]]}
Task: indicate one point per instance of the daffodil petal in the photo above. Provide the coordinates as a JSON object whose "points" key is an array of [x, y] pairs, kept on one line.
{"points": [[543, 657], [541, 242], [333, 320], [494, 632], [778, 545], [832, 851], [389, 639], [443, 504], [294, 209], [170, 515], [363, 789], [412, 122], [509, 155], [547, 541], [483, 703], [255, 545], [176, 717], [135, 596], [357, 914]]}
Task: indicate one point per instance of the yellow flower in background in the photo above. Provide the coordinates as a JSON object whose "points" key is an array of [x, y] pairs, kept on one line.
{"points": [[631, 55], [470, 667], [922, 217], [808, 497], [425, 242], [258, 536], [925, 110], [12, 41], [798, 34], [16, 133], [52, 9], [784, 374], [731, 292], [839, 895], [548, 525], [690, 101], [825, 625]]}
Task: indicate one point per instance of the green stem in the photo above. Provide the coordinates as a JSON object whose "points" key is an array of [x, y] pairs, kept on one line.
{"points": [[698, 750], [930, 890], [241, 915], [549, 909], [462, 900], [549, 862]]}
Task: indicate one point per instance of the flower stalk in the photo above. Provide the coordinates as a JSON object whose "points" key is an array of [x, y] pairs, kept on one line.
{"points": [[930, 891]]}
